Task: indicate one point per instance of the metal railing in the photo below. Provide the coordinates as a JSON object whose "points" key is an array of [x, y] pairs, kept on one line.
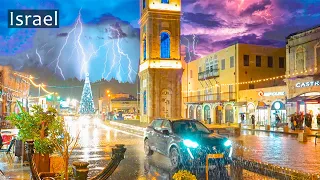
{"points": [[208, 74], [216, 97]]}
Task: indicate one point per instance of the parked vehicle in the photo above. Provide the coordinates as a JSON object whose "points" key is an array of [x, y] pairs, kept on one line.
{"points": [[186, 142]]}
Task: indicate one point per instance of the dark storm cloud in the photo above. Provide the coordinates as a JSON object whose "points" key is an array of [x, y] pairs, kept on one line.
{"points": [[62, 34], [249, 39], [260, 6], [201, 19]]}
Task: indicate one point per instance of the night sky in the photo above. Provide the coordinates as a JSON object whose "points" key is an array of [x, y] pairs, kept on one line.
{"points": [[102, 36]]}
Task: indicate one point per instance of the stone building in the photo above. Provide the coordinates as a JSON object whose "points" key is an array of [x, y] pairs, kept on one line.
{"points": [[303, 68], [160, 68], [219, 87], [13, 88]]}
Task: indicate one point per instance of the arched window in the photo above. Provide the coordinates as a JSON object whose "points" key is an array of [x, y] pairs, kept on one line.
{"points": [[143, 4], [300, 59], [145, 102], [144, 49], [165, 1], [165, 45]]}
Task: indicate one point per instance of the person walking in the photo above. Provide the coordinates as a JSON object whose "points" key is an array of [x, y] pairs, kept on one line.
{"points": [[253, 121]]}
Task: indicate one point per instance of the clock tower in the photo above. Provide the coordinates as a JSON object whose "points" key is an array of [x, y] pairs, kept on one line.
{"points": [[160, 68]]}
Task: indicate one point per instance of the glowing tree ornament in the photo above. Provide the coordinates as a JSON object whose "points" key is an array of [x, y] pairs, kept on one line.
{"points": [[86, 103]]}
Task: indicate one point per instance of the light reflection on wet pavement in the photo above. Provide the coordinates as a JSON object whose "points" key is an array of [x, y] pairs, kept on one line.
{"points": [[96, 143]]}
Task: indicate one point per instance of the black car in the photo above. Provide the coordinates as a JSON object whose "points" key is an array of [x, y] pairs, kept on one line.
{"points": [[186, 142]]}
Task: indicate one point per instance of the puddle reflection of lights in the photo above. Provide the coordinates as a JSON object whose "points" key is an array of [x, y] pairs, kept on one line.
{"points": [[115, 134], [96, 137], [108, 135]]}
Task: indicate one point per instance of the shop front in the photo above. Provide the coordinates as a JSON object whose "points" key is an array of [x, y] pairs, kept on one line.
{"points": [[278, 113], [262, 114], [304, 99]]}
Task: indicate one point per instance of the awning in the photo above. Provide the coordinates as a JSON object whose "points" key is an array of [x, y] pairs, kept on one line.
{"points": [[262, 105], [304, 98]]}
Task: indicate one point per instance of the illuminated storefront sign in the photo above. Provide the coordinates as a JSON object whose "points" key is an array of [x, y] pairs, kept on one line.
{"points": [[261, 93], [308, 84]]}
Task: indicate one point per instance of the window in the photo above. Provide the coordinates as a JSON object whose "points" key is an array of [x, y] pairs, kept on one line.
{"points": [[231, 62], [300, 58], [281, 62], [145, 102], [156, 124], [165, 1], [245, 60], [165, 45], [144, 49], [258, 61], [223, 64], [190, 73], [251, 86], [270, 61], [166, 125], [143, 4]]}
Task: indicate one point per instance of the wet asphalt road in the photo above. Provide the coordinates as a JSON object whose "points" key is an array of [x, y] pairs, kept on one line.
{"points": [[96, 142]]}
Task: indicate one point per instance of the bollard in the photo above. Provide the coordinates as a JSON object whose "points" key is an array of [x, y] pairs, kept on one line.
{"points": [[237, 132], [253, 126], [307, 130], [286, 129], [302, 137], [80, 170], [268, 128], [236, 170]]}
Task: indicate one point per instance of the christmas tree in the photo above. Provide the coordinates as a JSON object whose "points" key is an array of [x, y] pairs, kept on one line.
{"points": [[86, 103]]}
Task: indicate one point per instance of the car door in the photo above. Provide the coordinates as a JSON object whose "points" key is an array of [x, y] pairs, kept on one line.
{"points": [[164, 139], [154, 134]]}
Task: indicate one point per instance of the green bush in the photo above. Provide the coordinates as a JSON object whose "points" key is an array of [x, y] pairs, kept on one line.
{"points": [[32, 125]]}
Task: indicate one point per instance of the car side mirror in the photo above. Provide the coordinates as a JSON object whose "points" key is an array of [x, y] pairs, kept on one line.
{"points": [[166, 132]]}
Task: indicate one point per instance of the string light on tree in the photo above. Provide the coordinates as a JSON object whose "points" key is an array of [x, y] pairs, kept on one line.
{"points": [[86, 103]]}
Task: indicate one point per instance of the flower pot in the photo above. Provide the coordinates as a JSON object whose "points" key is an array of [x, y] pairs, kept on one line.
{"points": [[42, 162]]}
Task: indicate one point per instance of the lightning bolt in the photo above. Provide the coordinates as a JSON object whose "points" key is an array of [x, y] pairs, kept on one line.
{"points": [[105, 64], [50, 50], [120, 51], [194, 44], [188, 47], [39, 57], [113, 60]]}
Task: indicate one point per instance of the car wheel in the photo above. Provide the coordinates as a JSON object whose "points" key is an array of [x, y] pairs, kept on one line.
{"points": [[147, 149], [174, 158]]}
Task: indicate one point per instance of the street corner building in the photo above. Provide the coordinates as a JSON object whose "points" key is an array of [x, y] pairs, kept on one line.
{"points": [[14, 88], [302, 74], [231, 85]]}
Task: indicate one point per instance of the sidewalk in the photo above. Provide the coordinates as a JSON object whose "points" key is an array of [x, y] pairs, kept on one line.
{"points": [[136, 125]]}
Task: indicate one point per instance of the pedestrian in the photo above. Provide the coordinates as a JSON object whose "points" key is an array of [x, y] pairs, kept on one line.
{"points": [[1, 140], [253, 119], [278, 120]]}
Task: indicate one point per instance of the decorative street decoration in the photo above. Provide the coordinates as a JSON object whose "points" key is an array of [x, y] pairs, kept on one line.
{"points": [[86, 103]]}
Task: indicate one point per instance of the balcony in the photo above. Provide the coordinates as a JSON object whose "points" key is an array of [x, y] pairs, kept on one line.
{"points": [[216, 97], [208, 74]]}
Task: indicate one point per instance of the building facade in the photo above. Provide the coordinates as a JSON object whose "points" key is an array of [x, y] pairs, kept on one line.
{"points": [[160, 67], [13, 88], [212, 85], [303, 67]]}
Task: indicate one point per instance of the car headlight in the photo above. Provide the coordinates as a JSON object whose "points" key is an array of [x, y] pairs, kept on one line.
{"points": [[190, 143], [227, 143]]}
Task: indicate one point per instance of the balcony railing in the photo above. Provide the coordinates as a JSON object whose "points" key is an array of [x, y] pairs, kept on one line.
{"points": [[216, 97], [208, 74]]}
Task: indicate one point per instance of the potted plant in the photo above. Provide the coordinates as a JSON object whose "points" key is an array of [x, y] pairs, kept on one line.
{"points": [[36, 126]]}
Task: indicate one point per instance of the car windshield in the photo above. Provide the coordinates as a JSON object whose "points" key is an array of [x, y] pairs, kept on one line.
{"points": [[183, 127]]}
